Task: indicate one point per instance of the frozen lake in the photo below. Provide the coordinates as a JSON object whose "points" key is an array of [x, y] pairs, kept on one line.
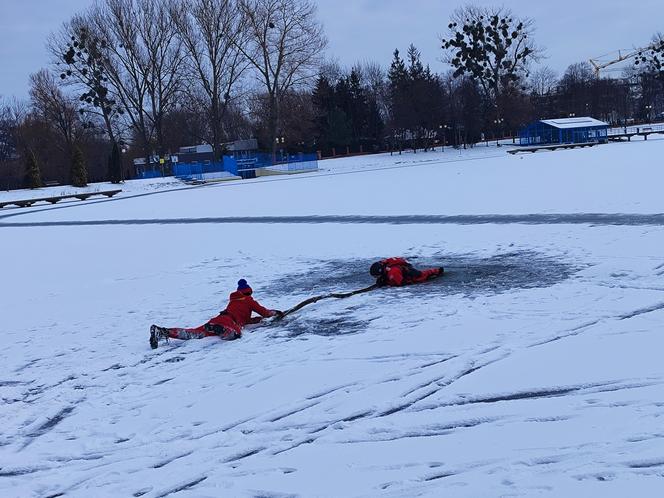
{"points": [[533, 368]]}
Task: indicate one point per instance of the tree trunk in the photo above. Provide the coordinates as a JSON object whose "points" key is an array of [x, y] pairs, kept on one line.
{"points": [[273, 122]]}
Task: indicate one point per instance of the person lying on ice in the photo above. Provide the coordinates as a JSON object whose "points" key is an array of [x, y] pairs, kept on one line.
{"points": [[396, 272], [227, 324]]}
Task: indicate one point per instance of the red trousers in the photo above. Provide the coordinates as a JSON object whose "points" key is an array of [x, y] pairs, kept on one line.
{"points": [[222, 326], [425, 275]]}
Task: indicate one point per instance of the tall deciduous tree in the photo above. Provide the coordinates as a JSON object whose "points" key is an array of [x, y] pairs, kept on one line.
{"points": [[54, 106], [653, 57], [143, 56], [212, 32], [80, 55], [115, 165], [7, 127], [492, 47], [284, 45]]}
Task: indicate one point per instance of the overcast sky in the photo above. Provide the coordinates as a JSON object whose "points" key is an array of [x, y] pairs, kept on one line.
{"points": [[358, 30]]}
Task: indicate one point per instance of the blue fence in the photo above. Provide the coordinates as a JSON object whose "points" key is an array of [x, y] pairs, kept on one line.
{"points": [[149, 173], [244, 165], [296, 161], [206, 170], [248, 164]]}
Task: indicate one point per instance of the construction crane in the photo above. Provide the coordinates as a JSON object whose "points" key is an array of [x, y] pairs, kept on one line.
{"points": [[623, 55]]}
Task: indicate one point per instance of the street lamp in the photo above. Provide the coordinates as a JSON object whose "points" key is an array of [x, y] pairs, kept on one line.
{"points": [[280, 140], [442, 130], [499, 124]]}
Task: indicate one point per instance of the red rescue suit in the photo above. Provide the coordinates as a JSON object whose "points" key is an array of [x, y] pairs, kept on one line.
{"points": [[397, 272], [227, 324]]}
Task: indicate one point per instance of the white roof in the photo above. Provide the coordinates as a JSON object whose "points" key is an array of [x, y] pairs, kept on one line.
{"points": [[573, 122], [196, 149]]}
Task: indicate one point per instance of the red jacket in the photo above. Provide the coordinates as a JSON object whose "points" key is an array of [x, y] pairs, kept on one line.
{"points": [[241, 305], [394, 271], [398, 272]]}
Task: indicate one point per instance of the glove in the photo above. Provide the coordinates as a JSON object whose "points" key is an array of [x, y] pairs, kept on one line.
{"points": [[278, 313]]}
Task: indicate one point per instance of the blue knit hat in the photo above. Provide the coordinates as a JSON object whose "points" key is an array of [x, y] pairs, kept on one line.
{"points": [[242, 284]]}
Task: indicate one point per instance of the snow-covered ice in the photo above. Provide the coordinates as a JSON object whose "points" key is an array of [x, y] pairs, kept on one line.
{"points": [[533, 368]]}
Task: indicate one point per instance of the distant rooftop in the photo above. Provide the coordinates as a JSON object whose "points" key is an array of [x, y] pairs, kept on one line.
{"points": [[564, 123]]}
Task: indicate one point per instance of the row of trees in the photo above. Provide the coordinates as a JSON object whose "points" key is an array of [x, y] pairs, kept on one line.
{"points": [[145, 77], [135, 72]]}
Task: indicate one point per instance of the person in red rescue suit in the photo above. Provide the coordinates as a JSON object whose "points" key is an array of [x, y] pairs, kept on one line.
{"points": [[395, 272], [227, 325]]}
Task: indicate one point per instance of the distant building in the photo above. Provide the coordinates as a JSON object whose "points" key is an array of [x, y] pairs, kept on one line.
{"points": [[242, 146], [564, 131], [204, 153], [195, 154]]}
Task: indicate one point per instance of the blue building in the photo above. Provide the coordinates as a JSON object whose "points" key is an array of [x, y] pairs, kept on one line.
{"points": [[564, 131]]}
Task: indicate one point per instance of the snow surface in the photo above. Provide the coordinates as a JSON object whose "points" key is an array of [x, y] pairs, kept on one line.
{"points": [[533, 368]]}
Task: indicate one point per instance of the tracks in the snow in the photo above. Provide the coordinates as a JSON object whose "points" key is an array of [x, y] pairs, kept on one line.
{"points": [[597, 219]]}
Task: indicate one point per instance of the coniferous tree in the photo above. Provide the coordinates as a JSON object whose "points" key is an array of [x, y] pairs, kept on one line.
{"points": [[32, 173], [79, 173], [340, 131], [322, 99], [358, 108], [398, 96], [375, 125]]}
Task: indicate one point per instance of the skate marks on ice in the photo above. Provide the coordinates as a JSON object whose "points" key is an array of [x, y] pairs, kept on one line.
{"points": [[468, 275], [594, 219], [336, 415]]}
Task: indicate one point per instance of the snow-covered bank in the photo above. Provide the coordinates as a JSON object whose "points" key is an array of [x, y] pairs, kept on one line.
{"points": [[532, 368], [615, 178]]}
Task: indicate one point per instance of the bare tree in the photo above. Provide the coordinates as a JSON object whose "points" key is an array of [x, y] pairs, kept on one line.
{"points": [[79, 55], [16, 113], [165, 54], [7, 142], [284, 46], [375, 77], [143, 56], [579, 73], [543, 81], [653, 57], [57, 109], [490, 46], [212, 32], [59, 112]]}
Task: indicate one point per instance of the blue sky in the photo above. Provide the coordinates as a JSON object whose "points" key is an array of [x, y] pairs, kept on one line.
{"points": [[358, 30]]}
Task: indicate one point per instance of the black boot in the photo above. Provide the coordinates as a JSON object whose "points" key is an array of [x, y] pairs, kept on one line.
{"points": [[157, 333], [154, 341]]}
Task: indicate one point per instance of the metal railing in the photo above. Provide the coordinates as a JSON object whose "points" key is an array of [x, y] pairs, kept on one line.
{"points": [[636, 130]]}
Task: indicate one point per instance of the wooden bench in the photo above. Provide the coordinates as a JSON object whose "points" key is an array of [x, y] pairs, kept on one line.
{"points": [[552, 147], [57, 198]]}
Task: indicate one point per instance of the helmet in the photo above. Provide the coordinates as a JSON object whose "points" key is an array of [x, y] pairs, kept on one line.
{"points": [[376, 269]]}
